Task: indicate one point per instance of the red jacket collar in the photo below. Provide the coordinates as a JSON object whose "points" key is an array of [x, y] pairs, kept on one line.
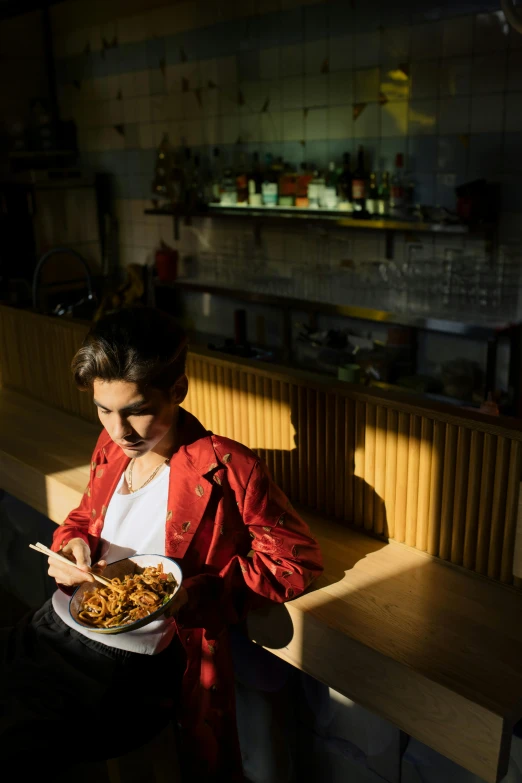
{"points": [[196, 445]]}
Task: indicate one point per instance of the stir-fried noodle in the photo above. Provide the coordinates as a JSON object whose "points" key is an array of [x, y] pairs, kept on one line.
{"points": [[127, 600]]}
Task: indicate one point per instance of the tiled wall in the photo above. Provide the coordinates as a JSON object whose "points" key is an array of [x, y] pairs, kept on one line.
{"points": [[22, 72], [440, 81]]}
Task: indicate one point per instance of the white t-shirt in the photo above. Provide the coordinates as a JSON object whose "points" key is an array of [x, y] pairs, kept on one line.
{"points": [[134, 524]]}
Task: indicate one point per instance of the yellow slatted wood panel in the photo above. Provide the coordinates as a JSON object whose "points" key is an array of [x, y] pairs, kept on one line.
{"points": [[435, 478]]}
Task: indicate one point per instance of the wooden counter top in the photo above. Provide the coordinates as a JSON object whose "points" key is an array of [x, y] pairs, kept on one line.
{"points": [[433, 648]]}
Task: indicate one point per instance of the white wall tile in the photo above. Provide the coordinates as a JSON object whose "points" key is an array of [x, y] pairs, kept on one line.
{"points": [[129, 110], [175, 106], [514, 111], [194, 133], [316, 124], [514, 70], [457, 36], [212, 131], [177, 132], [367, 85], [422, 117], [293, 93], [340, 88], [228, 95], [395, 44], [270, 63], [316, 55], [173, 74], [368, 123], [424, 79], [340, 122], [143, 109], [142, 83], [273, 93], [271, 126], [251, 128], [342, 53], [316, 90], [113, 86], [115, 113], [159, 109], [145, 135], [487, 113], [293, 125], [230, 129], [394, 119], [127, 85], [254, 94], [426, 41], [454, 115], [191, 73], [489, 73], [292, 60], [455, 76], [491, 32], [227, 71], [210, 102], [367, 49], [208, 71]]}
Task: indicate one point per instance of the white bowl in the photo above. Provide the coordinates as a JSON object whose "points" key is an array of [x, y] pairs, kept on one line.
{"points": [[120, 568]]}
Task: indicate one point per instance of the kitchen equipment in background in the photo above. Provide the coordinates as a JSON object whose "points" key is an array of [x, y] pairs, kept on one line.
{"points": [[43, 209], [63, 274], [166, 259]]}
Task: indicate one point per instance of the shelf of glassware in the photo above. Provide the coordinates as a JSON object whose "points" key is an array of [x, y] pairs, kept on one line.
{"points": [[338, 218]]}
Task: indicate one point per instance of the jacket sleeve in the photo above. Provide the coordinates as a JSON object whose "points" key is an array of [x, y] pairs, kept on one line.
{"points": [[283, 561], [76, 525]]}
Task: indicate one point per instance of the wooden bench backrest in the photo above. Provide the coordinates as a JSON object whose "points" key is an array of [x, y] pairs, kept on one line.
{"points": [[439, 479]]}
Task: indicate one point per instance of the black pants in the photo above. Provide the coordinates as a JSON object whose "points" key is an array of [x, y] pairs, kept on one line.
{"points": [[66, 698]]}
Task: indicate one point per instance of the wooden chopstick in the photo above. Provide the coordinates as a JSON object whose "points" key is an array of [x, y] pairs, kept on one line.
{"points": [[45, 551]]}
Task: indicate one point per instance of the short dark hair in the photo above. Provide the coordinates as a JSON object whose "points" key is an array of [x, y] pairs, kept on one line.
{"points": [[139, 345]]}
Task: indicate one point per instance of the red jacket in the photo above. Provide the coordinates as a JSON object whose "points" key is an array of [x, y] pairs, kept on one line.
{"points": [[237, 538]]}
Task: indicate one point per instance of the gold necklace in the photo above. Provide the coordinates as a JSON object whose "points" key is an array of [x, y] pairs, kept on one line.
{"points": [[152, 475]]}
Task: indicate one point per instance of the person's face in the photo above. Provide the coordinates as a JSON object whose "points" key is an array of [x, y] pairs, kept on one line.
{"points": [[137, 419]]}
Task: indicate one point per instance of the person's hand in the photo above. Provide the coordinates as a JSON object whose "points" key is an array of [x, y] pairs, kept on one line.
{"points": [[77, 552], [180, 599]]}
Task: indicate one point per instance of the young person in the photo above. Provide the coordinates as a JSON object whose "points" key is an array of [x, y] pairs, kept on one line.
{"points": [[159, 483]]}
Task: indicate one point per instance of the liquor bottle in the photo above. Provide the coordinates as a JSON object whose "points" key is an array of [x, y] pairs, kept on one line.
{"points": [[269, 188], [161, 184], [372, 202], [359, 184], [242, 181], [303, 181], [397, 192], [287, 187], [194, 195], [255, 182], [229, 187], [315, 190], [329, 194], [384, 195], [177, 181], [345, 185], [217, 176]]}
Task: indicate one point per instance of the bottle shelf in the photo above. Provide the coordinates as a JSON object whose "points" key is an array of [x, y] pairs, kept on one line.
{"points": [[336, 218]]}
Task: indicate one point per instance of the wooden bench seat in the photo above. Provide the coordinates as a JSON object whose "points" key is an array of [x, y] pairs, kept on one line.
{"points": [[435, 649]]}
